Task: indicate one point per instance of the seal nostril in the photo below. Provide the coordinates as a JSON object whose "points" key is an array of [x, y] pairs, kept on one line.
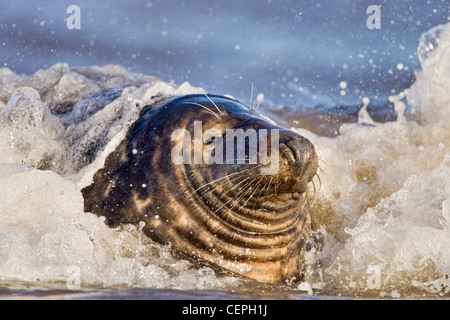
{"points": [[306, 156], [298, 152], [301, 156], [288, 153], [295, 153]]}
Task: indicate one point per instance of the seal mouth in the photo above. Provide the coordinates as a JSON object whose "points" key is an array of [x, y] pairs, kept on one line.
{"points": [[234, 208]]}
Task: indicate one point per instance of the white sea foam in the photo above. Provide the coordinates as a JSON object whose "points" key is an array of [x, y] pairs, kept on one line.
{"points": [[385, 190], [44, 231], [383, 202]]}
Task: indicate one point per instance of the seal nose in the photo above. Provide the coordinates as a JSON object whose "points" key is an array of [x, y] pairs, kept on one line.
{"points": [[299, 152]]}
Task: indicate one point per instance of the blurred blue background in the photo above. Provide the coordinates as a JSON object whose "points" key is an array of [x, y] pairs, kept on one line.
{"points": [[297, 53]]}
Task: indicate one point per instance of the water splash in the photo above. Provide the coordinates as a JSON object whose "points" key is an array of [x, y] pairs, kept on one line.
{"points": [[383, 205], [384, 197]]}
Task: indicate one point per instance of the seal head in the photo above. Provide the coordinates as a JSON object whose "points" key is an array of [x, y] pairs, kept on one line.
{"points": [[180, 173]]}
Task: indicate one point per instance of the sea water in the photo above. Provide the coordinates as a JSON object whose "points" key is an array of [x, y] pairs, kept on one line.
{"points": [[381, 215]]}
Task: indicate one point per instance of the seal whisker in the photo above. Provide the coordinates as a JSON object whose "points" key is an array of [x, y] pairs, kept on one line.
{"points": [[271, 178], [251, 98], [215, 105], [230, 190], [223, 182], [256, 189], [257, 107], [228, 175], [322, 160], [265, 186], [318, 178], [209, 110], [245, 192], [314, 193], [238, 185], [235, 178], [322, 171]]}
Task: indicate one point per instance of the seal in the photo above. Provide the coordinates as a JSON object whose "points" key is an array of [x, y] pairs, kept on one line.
{"points": [[227, 214]]}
